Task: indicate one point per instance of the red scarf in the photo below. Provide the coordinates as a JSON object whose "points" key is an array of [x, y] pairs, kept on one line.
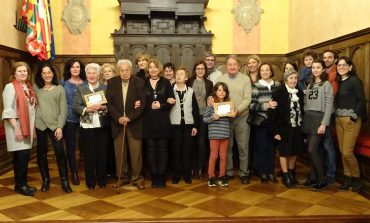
{"points": [[22, 97]]}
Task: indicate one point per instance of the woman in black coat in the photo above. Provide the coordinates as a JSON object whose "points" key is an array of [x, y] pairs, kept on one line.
{"points": [[156, 130], [286, 120]]}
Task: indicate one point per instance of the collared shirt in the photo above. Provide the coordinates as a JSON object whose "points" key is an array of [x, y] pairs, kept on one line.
{"points": [[124, 95]]}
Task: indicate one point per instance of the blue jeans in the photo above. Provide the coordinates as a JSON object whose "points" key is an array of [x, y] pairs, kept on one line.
{"points": [[329, 148], [70, 135]]}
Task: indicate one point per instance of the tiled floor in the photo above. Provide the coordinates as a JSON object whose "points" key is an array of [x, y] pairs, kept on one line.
{"points": [[180, 201]]}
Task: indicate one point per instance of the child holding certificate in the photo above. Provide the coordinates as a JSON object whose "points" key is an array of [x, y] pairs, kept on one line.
{"points": [[218, 134]]}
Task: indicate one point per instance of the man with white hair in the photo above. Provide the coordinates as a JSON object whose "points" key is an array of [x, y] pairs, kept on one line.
{"points": [[241, 94], [122, 93]]}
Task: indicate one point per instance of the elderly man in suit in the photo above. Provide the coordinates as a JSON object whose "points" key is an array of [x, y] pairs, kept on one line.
{"points": [[123, 92]]}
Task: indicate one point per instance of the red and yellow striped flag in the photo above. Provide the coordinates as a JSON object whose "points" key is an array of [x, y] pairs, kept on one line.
{"points": [[39, 40]]}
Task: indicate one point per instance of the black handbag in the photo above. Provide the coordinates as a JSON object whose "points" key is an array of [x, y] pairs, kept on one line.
{"points": [[255, 119]]}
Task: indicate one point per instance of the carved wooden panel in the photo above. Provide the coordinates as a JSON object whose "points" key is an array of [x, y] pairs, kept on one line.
{"points": [[171, 30]]}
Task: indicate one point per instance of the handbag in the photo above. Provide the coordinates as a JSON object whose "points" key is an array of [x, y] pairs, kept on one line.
{"points": [[255, 119]]}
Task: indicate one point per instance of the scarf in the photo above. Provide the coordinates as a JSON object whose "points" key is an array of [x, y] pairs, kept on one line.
{"points": [[22, 97], [293, 92], [266, 84]]}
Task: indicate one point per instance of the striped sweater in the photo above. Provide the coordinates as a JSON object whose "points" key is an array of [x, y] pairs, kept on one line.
{"points": [[260, 96], [217, 129]]}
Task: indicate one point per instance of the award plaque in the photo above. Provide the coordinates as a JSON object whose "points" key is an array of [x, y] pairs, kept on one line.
{"points": [[95, 98], [224, 109]]}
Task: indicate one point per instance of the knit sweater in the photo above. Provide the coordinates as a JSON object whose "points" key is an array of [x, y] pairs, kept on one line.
{"points": [[261, 95], [240, 91], [320, 98], [351, 99], [52, 108], [217, 129]]}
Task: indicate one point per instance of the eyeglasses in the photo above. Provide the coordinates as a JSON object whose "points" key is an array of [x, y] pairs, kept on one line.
{"points": [[342, 65]]}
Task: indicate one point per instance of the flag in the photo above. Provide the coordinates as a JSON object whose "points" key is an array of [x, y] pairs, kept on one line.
{"points": [[40, 39]]}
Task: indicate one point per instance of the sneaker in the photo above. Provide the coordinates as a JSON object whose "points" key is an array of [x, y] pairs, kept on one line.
{"points": [[223, 182], [212, 182]]}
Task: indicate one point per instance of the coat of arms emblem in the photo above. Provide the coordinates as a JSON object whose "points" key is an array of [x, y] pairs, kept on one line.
{"points": [[247, 14]]}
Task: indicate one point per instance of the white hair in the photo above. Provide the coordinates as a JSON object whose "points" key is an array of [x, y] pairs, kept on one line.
{"points": [[124, 61], [93, 66]]}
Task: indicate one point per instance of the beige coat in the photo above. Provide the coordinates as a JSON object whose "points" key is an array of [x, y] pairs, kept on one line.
{"points": [[10, 111]]}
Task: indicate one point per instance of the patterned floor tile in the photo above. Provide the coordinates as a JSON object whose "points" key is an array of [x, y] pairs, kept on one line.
{"points": [[129, 199], [322, 210], [27, 211], [93, 209], [246, 197], [188, 198], [221, 206], [124, 214], [345, 204], [15, 200], [284, 205], [158, 208], [69, 200], [192, 212], [56, 215], [306, 196], [257, 211]]}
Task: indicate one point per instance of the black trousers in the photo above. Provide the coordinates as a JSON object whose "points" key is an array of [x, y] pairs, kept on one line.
{"points": [[70, 131], [42, 154], [95, 143], [201, 153], [20, 166], [157, 155], [264, 149], [182, 143]]}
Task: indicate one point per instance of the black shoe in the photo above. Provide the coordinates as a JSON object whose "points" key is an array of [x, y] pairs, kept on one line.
{"points": [[264, 179], [161, 181], [245, 179], [32, 189], [103, 185], [309, 183], [175, 180], [320, 186], [356, 184], [45, 185], [187, 180], [287, 181], [346, 184], [91, 188], [66, 187], [75, 179], [271, 177], [24, 190]]}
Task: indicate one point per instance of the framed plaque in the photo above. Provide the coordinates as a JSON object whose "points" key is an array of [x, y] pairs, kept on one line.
{"points": [[95, 98], [224, 109]]}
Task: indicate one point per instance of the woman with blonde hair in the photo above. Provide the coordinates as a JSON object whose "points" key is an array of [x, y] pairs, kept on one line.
{"points": [[253, 63]]}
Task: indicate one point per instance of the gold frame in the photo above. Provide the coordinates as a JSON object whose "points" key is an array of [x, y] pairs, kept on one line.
{"points": [[87, 98], [230, 113]]}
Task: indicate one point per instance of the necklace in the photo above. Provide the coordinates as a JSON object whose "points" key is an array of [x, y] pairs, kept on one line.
{"points": [[199, 89], [49, 87]]}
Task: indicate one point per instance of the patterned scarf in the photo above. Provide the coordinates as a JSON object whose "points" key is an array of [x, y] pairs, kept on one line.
{"points": [[22, 98]]}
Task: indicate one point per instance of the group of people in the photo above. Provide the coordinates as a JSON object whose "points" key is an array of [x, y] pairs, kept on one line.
{"points": [[165, 120]]}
